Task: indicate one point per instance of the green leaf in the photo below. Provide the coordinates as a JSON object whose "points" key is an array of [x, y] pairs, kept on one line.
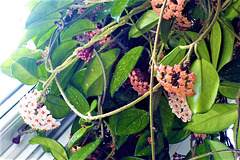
{"points": [[77, 99], [43, 74], [227, 44], [177, 133], [167, 117], [57, 106], [217, 119], [202, 47], [86, 150], [174, 57], [39, 27], [93, 105], [45, 37], [230, 12], [117, 9], [26, 52], [202, 149], [104, 12], [165, 29], [56, 148], [25, 70], [124, 67], [215, 43], [147, 21], [93, 81], [132, 3], [143, 147], [77, 136], [216, 146], [79, 27], [120, 139], [63, 78], [45, 8], [229, 89], [62, 52], [231, 71], [131, 121], [77, 79], [6, 67], [207, 83]]}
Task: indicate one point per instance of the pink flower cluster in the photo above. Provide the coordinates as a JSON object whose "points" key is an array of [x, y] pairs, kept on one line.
{"points": [[177, 80], [85, 54], [36, 114], [173, 9], [180, 107]]}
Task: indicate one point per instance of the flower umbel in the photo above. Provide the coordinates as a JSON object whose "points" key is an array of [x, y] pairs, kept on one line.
{"points": [[180, 107], [36, 114], [176, 79]]}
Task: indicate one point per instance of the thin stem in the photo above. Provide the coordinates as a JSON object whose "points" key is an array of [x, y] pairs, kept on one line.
{"points": [[113, 141], [68, 102], [214, 152], [104, 77], [90, 118], [134, 24], [211, 24], [154, 61], [160, 52]]}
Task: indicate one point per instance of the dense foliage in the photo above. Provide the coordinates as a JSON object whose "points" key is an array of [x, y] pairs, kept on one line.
{"points": [[139, 75]]}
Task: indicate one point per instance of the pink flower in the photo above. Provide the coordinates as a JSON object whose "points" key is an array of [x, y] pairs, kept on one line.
{"points": [[34, 114]]}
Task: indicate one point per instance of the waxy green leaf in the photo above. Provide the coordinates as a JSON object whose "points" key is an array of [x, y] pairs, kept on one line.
{"points": [[86, 150], [174, 57], [117, 9], [45, 8], [230, 12], [167, 117], [25, 70], [43, 38], [77, 136], [55, 147], [6, 67], [231, 71], [77, 79], [229, 89], [79, 27], [124, 67], [165, 29], [143, 147], [40, 27], [216, 146], [207, 83], [147, 21], [77, 99], [63, 51], [131, 121], [218, 118], [104, 12], [119, 139], [57, 106], [63, 78], [227, 44], [202, 47], [93, 81], [215, 43], [177, 133]]}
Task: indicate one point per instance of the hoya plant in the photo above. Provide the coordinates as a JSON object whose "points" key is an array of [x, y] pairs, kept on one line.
{"points": [[138, 74]]}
